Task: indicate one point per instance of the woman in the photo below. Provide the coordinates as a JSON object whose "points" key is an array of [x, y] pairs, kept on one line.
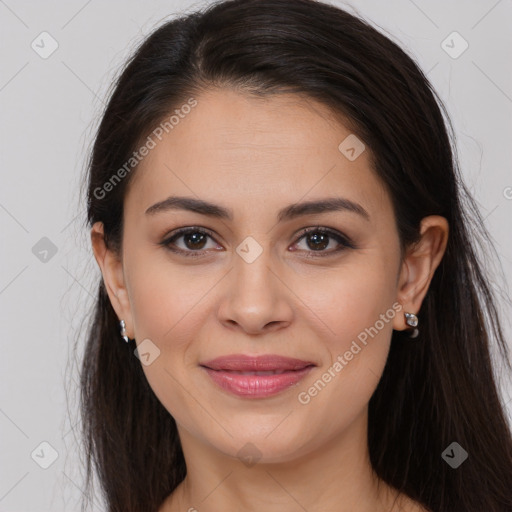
{"points": [[284, 241]]}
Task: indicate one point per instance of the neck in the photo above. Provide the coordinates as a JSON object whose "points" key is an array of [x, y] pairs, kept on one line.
{"points": [[335, 476]]}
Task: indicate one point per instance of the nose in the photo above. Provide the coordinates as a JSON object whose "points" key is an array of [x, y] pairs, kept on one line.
{"points": [[255, 298]]}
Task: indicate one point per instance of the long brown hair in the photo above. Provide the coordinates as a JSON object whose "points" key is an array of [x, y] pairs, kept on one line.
{"points": [[434, 391]]}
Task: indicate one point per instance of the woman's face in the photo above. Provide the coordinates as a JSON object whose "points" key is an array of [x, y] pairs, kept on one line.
{"points": [[254, 284]]}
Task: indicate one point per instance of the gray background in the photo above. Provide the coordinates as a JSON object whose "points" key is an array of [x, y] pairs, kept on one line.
{"points": [[49, 110]]}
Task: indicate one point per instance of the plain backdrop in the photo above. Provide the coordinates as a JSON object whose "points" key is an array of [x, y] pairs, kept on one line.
{"points": [[49, 110]]}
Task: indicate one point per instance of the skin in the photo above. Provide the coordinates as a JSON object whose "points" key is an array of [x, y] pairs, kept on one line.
{"points": [[256, 156]]}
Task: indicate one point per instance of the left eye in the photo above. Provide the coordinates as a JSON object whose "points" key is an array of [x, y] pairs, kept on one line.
{"points": [[317, 239]]}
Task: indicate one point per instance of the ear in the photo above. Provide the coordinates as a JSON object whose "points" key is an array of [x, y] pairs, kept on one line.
{"points": [[420, 263], [111, 267]]}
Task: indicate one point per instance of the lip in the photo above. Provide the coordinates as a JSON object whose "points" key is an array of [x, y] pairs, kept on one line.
{"points": [[240, 374]]}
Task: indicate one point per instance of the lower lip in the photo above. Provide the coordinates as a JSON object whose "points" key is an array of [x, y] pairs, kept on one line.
{"points": [[256, 386]]}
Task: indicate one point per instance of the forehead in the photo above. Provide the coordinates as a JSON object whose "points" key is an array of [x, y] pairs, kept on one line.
{"points": [[245, 150]]}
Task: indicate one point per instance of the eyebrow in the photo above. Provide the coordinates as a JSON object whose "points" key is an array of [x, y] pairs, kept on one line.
{"points": [[330, 204]]}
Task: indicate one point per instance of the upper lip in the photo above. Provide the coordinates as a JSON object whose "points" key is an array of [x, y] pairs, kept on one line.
{"points": [[267, 362]]}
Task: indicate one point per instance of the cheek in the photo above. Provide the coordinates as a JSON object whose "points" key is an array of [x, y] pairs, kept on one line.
{"points": [[166, 308], [353, 314], [165, 299], [350, 299]]}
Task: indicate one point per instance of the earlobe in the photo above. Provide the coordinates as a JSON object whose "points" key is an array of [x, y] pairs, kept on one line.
{"points": [[112, 271], [419, 265]]}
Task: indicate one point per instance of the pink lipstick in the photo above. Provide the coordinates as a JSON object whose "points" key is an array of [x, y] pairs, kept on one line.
{"points": [[256, 376]]}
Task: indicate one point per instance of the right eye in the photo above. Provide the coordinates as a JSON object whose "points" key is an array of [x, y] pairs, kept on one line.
{"points": [[194, 239]]}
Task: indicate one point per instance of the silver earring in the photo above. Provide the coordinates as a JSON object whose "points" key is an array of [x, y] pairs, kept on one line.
{"points": [[122, 327], [412, 320]]}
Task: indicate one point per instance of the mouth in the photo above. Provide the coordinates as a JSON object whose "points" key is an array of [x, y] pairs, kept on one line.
{"points": [[256, 376]]}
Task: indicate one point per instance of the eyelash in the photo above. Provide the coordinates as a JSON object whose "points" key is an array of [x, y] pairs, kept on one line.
{"points": [[345, 242]]}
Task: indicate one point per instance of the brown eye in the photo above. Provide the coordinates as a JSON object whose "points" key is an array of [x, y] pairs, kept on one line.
{"points": [[318, 239], [194, 241]]}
